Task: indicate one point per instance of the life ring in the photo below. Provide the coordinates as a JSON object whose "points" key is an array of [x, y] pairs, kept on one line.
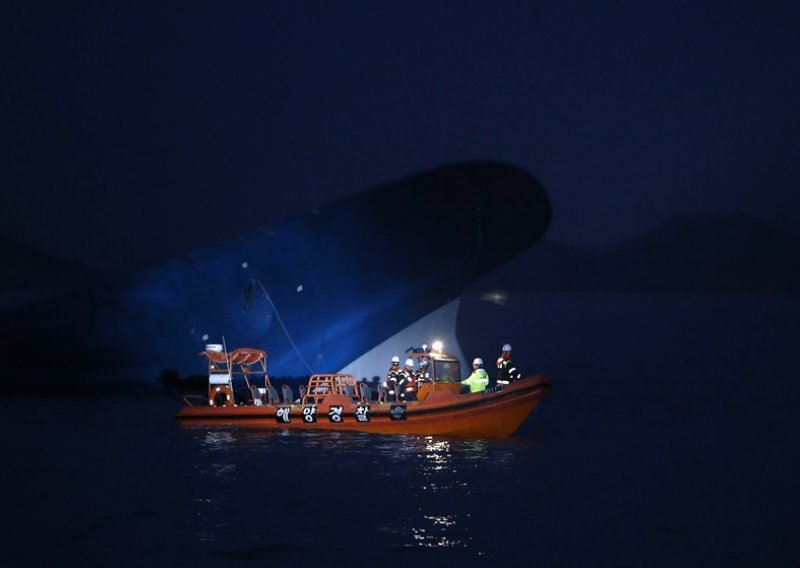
{"points": [[220, 396]]}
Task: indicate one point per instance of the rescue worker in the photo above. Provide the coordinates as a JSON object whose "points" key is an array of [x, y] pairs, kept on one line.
{"points": [[422, 375], [479, 379], [408, 382], [392, 378], [506, 370]]}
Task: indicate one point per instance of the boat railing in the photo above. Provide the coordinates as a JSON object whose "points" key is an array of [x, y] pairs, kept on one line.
{"points": [[188, 398], [245, 362], [321, 385]]}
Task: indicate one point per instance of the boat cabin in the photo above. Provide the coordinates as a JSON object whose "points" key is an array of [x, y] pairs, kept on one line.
{"points": [[437, 371], [439, 367]]}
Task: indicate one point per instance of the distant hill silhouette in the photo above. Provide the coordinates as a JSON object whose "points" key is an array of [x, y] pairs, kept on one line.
{"points": [[30, 275], [684, 254]]}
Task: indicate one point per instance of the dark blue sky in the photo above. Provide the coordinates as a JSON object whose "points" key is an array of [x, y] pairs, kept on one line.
{"points": [[139, 130]]}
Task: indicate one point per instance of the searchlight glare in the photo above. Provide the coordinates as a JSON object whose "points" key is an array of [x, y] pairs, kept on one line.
{"points": [[437, 346]]}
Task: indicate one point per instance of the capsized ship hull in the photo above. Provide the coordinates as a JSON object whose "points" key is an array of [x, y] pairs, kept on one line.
{"points": [[321, 289], [442, 413]]}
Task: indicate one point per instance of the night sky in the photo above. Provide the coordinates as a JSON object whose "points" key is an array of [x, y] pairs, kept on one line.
{"points": [[135, 131]]}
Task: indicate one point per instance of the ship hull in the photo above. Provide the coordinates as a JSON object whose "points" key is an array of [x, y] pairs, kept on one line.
{"points": [[320, 289]]}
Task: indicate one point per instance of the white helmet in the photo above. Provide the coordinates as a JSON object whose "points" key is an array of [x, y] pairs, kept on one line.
{"points": [[409, 362], [396, 359], [507, 347], [477, 361]]}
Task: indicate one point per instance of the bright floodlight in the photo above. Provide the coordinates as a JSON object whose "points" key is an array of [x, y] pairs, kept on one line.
{"points": [[437, 345]]}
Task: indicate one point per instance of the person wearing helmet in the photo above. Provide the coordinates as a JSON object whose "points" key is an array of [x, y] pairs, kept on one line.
{"points": [[506, 370], [421, 374], [392, 378], [407, 382], [479, 379]]}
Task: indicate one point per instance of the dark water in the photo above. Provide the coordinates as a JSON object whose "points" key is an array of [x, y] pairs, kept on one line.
{"points": [[670, 439]]}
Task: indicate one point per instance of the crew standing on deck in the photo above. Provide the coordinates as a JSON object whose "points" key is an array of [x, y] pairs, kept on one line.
{"points": [[408, 382], [507, 372], [479, 379], [421, 374], [393, 376]]}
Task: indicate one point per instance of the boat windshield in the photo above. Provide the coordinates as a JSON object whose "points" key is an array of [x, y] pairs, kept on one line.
{"points": [[447, 371]]}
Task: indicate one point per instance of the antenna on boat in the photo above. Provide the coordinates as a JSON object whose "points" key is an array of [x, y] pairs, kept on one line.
{"points": [[228, 369], [227, 361]]}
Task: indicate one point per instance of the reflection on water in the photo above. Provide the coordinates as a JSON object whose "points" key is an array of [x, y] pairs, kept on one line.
{"points": [[436, 455], [217, 472], [436, 536], [215, 440], [436, 527], [442, 524], [434, 488]]}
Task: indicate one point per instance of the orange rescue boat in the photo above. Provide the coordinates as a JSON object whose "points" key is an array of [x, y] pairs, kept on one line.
{"points": [[339, 402]]}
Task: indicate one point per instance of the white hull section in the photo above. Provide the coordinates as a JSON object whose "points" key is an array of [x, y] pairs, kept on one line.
{"points": [[437, 325]]}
